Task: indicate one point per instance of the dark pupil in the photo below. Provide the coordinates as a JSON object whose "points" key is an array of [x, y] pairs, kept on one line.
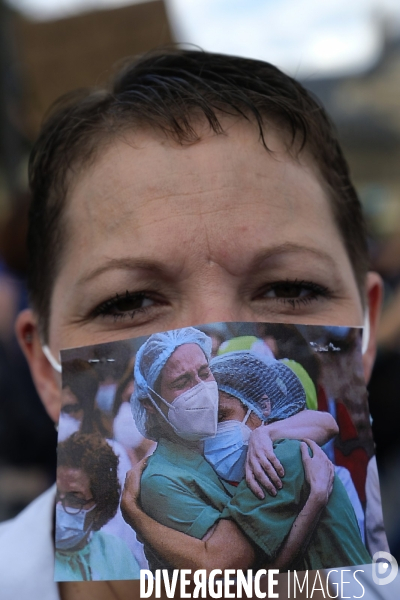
{"points": [[287, 290], [128, 303]]}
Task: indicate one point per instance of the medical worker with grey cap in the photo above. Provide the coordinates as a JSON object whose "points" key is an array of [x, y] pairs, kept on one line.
{"points": [[179, 489]]}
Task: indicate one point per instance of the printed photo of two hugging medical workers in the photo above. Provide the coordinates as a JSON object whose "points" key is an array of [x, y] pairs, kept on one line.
{"points": [[228, 445]]}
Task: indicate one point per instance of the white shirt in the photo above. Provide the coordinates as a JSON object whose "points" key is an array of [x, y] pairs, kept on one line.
{"points": [[27, 553]]}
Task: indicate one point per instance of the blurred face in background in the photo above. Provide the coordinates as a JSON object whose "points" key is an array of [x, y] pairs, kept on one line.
{"points": [[162, 236], [71, 405]]}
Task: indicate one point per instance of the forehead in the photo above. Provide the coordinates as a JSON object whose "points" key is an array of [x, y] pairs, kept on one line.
{"points": [[188, 357], [72, 480], [141, 184], [227, 402], [144, 188], [152, 214]]}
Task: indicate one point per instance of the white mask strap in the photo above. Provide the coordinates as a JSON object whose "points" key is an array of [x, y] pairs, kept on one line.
{"points": [[158, 409], [54, 362], [365, 333], [247, 416]]}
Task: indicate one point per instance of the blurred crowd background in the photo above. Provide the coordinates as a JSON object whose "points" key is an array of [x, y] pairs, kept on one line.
{"points": [[349, 56]]}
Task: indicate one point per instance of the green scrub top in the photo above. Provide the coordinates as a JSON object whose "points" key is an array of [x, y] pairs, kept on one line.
{"points": [[336, 541], [181, 490], [105, 557]]}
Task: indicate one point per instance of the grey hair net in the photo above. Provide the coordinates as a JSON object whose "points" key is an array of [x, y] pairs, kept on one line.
{"points": [[150, 360], [254, 382]]}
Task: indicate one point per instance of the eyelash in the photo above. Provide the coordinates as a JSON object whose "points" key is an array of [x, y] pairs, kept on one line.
{"points": [[105, 308], [316, 292]]}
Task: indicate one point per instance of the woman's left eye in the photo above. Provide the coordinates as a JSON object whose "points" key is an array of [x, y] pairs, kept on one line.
{"points": [[294, 292]]}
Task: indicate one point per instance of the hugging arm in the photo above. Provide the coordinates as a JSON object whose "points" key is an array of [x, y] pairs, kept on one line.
{"points": [[225, 546], [319, 474], [263, 469]]}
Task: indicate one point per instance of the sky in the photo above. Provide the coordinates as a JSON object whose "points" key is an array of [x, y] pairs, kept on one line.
{"points": [[306, 38]]}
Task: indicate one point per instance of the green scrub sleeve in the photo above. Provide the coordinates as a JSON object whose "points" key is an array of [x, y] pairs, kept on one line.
{"points": [[174, 504]]}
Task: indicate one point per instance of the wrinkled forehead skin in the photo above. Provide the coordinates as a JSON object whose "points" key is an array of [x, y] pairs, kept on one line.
{"points": [[203, 227]]}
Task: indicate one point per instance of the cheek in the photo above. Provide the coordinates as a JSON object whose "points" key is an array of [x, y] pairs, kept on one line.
{"points": [[169, 395]]}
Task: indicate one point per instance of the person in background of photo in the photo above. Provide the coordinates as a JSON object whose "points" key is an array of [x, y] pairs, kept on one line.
{"points": [[195, 188], [87, 497], [125, 431], [80, 387], [291, 348], [79, 412]]}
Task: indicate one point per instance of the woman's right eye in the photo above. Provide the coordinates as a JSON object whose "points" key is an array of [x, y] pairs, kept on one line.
{"points": [[126, 305]]}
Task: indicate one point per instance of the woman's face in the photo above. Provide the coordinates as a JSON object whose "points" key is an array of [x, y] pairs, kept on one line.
{"points": [[161, 236], [231, 409], [73, 487], [70, 404]]}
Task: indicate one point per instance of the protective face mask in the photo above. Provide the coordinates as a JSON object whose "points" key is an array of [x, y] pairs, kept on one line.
{"points": [[67, 425], [227, 451], [70, 529], [194, 414], [105, 397]]}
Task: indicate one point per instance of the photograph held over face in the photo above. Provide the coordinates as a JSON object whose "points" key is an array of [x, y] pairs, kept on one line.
{"points": [[197, 188], [191, 501]]}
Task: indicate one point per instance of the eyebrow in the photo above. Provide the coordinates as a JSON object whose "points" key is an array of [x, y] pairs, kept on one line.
{"points": [[290, 248], [161, 270], [124, 264], [185, 376], [181, 379]]}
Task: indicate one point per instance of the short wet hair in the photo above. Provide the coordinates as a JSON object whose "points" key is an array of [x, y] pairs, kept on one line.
{"points": [[171, 92]]}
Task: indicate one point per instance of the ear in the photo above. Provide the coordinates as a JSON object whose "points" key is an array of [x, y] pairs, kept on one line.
{"points": [[374, 295], [47, 381], [149, 407]]}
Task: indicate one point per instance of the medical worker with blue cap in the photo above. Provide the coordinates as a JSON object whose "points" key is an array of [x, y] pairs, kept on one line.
{"points": [[184, 354], [175, 402]]}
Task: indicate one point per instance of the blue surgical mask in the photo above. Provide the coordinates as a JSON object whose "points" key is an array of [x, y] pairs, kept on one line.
{"points": [[105, 397], [67, 425], [70, 529], [226, 452]]}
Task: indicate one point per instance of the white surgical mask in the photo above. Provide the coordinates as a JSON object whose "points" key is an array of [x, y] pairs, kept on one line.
{"points": [[70, 529], [227, 451], [105, 397], [194, 414]]}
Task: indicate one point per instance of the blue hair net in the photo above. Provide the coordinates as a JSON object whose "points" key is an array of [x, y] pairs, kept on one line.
{"points": [[152, 357], [255, 381]]}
